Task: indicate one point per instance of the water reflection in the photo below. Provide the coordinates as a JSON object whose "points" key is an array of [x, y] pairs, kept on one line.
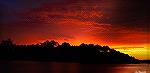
{"points": [[57, 67]]}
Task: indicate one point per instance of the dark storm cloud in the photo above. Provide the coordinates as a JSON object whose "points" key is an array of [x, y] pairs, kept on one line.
{"points": [[134, 14], [10, 8]]}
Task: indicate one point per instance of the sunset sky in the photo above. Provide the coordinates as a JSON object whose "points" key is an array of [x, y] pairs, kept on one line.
{"points": [[120, 24]]}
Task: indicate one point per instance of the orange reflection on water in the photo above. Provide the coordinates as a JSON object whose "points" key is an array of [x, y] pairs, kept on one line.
{"points": [[68, 67]]}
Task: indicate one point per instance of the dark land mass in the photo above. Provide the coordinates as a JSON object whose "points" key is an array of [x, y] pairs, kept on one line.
{"points": [[52, 51], [144, 61]]}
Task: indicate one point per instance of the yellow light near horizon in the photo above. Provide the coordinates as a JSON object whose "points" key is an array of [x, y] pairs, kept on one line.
{"points": [[139, 53]]}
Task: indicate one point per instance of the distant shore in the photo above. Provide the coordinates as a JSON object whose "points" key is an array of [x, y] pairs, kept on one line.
{"points": [[52, 51]]}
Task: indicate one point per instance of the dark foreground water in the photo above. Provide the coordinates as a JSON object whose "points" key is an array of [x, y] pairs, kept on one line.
{"points": [[57, 67]]}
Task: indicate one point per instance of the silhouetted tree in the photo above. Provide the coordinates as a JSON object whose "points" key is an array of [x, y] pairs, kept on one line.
{"points": [[106, 48], [65, 45], [51, 50], [50, 44], [7, 43]]}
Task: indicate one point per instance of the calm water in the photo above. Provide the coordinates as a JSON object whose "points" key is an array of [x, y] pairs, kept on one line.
{"points": [[55, 67]]}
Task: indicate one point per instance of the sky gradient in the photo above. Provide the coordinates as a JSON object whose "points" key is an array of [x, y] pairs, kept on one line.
{"points": [[120, 24]]}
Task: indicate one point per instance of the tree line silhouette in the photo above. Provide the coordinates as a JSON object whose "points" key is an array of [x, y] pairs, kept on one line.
{"points": [[53, 51]]}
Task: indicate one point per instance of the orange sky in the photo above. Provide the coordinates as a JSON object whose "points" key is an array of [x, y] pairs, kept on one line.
{"points": [[98, 22]]}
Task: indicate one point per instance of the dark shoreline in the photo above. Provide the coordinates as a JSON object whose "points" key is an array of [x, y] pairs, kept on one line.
{"points": [[140, 61], [52, 51]]}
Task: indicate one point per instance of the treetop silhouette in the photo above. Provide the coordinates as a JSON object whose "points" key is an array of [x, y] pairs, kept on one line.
{"points": [[52, 51]]}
